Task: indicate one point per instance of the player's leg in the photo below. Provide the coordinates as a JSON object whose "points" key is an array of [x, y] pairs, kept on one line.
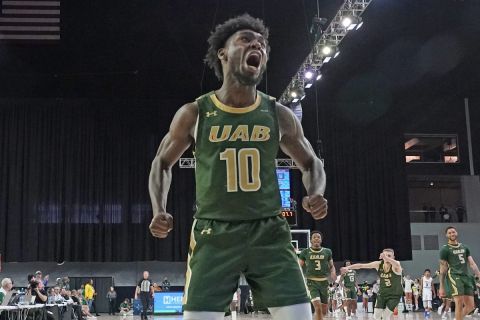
{"points": [[214, 265], [348, 306], [323, 290], [458, 307], [317, 305], [272, 269], [299, 311], [468, 291], [378, 314], [391, 303], [203, 315], [468, 305], [379, 307]]}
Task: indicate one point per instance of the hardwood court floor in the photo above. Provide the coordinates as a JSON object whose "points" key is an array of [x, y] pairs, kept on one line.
{"points": [[360, 316]]}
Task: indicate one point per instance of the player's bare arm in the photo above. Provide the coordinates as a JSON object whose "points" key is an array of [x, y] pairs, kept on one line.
{"points": [[473, 266], [396, 267], [443, 274], [356, 266], [178, 139], [296, 146], [333, 272], [301, 263]]}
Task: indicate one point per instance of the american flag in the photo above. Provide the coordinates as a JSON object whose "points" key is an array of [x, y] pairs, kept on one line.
{"points": [[32, 20]]}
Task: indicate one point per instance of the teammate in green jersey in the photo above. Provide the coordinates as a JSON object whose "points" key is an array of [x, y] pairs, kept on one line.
{"points": [[390, 272], [350, 288], [455, 279], [318, 265], [238, 228]]}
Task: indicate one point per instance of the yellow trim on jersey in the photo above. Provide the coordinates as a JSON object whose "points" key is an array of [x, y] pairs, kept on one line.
{"points": [[317, 251], [230, 109], [317, 279], [453, 284], [188, 275], [454, 246]]}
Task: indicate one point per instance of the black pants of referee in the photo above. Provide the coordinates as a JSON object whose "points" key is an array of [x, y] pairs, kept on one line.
{"points": [[145, 297]]}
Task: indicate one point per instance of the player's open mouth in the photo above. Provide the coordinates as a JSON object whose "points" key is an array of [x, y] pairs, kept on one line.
{"points": [[253, 60]]}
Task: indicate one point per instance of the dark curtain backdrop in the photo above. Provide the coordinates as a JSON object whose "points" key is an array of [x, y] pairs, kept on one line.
{"points": [[74, 177], [74, 182], [366, 190]]}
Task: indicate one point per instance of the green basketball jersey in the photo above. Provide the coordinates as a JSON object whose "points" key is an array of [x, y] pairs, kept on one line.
{"points": [[349, 279], [316, 262], [457, 257], [390, 282], [235, 151]]}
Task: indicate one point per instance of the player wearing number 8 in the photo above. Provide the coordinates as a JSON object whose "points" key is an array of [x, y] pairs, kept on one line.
{"points": [[455, 279], [390, 273]]}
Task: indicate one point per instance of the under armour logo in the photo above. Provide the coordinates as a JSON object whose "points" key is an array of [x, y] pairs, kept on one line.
{"points": [[206, 231], [211, 114]]}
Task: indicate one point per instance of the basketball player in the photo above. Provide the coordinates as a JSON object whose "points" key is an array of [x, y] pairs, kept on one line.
{"points": [[454, 277], [426, 291], [408, 282], [350, 289], [390, 272], [318, 266], [237, 131]]}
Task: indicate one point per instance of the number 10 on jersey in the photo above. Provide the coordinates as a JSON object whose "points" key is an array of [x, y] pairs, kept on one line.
{"points": [[243, 169]]}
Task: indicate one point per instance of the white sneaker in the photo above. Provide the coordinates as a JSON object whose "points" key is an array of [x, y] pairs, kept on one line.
{"points": [[440, 309], [444, 315]]}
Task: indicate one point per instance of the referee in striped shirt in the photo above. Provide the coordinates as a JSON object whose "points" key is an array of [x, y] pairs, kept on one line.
{"points": [[145, 292]]}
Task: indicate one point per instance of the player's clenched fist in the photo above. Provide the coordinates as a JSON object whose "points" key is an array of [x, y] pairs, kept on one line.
{"points": [[316, 204], [161, 225]]}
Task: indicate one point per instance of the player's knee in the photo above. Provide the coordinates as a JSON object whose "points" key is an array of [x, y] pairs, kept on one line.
{"points": [[203, 315], [377, 314], [300, 311], [387, 313]]}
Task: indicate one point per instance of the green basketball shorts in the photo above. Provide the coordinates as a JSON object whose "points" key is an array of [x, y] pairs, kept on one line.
{"points": [[350, 293], [459, 285], [390, 302], [318, 290], [260, 249]]}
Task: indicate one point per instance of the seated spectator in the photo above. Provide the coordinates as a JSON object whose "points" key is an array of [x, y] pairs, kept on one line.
{"points": [[76, 304], [67, 295], [76, 296], [6, 288], [156, 287], [125, 308], [57, 297], [165, 284]]}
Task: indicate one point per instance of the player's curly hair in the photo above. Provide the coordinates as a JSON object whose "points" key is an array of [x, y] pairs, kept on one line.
{"points": [[223, 31]]}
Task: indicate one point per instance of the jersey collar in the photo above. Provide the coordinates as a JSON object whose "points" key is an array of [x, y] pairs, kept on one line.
{"points": [[220, 105]]}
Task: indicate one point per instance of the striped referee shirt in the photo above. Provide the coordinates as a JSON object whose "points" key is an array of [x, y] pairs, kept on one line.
{"points": [[144, 285]]}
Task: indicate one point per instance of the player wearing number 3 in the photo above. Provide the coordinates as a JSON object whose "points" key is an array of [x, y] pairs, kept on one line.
{"points": [[318, 269], [238, 226], [390, 272], [455, 279]]}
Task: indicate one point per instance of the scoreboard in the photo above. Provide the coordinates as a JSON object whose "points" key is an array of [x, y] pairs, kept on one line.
{"points": [[291, 215]]}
